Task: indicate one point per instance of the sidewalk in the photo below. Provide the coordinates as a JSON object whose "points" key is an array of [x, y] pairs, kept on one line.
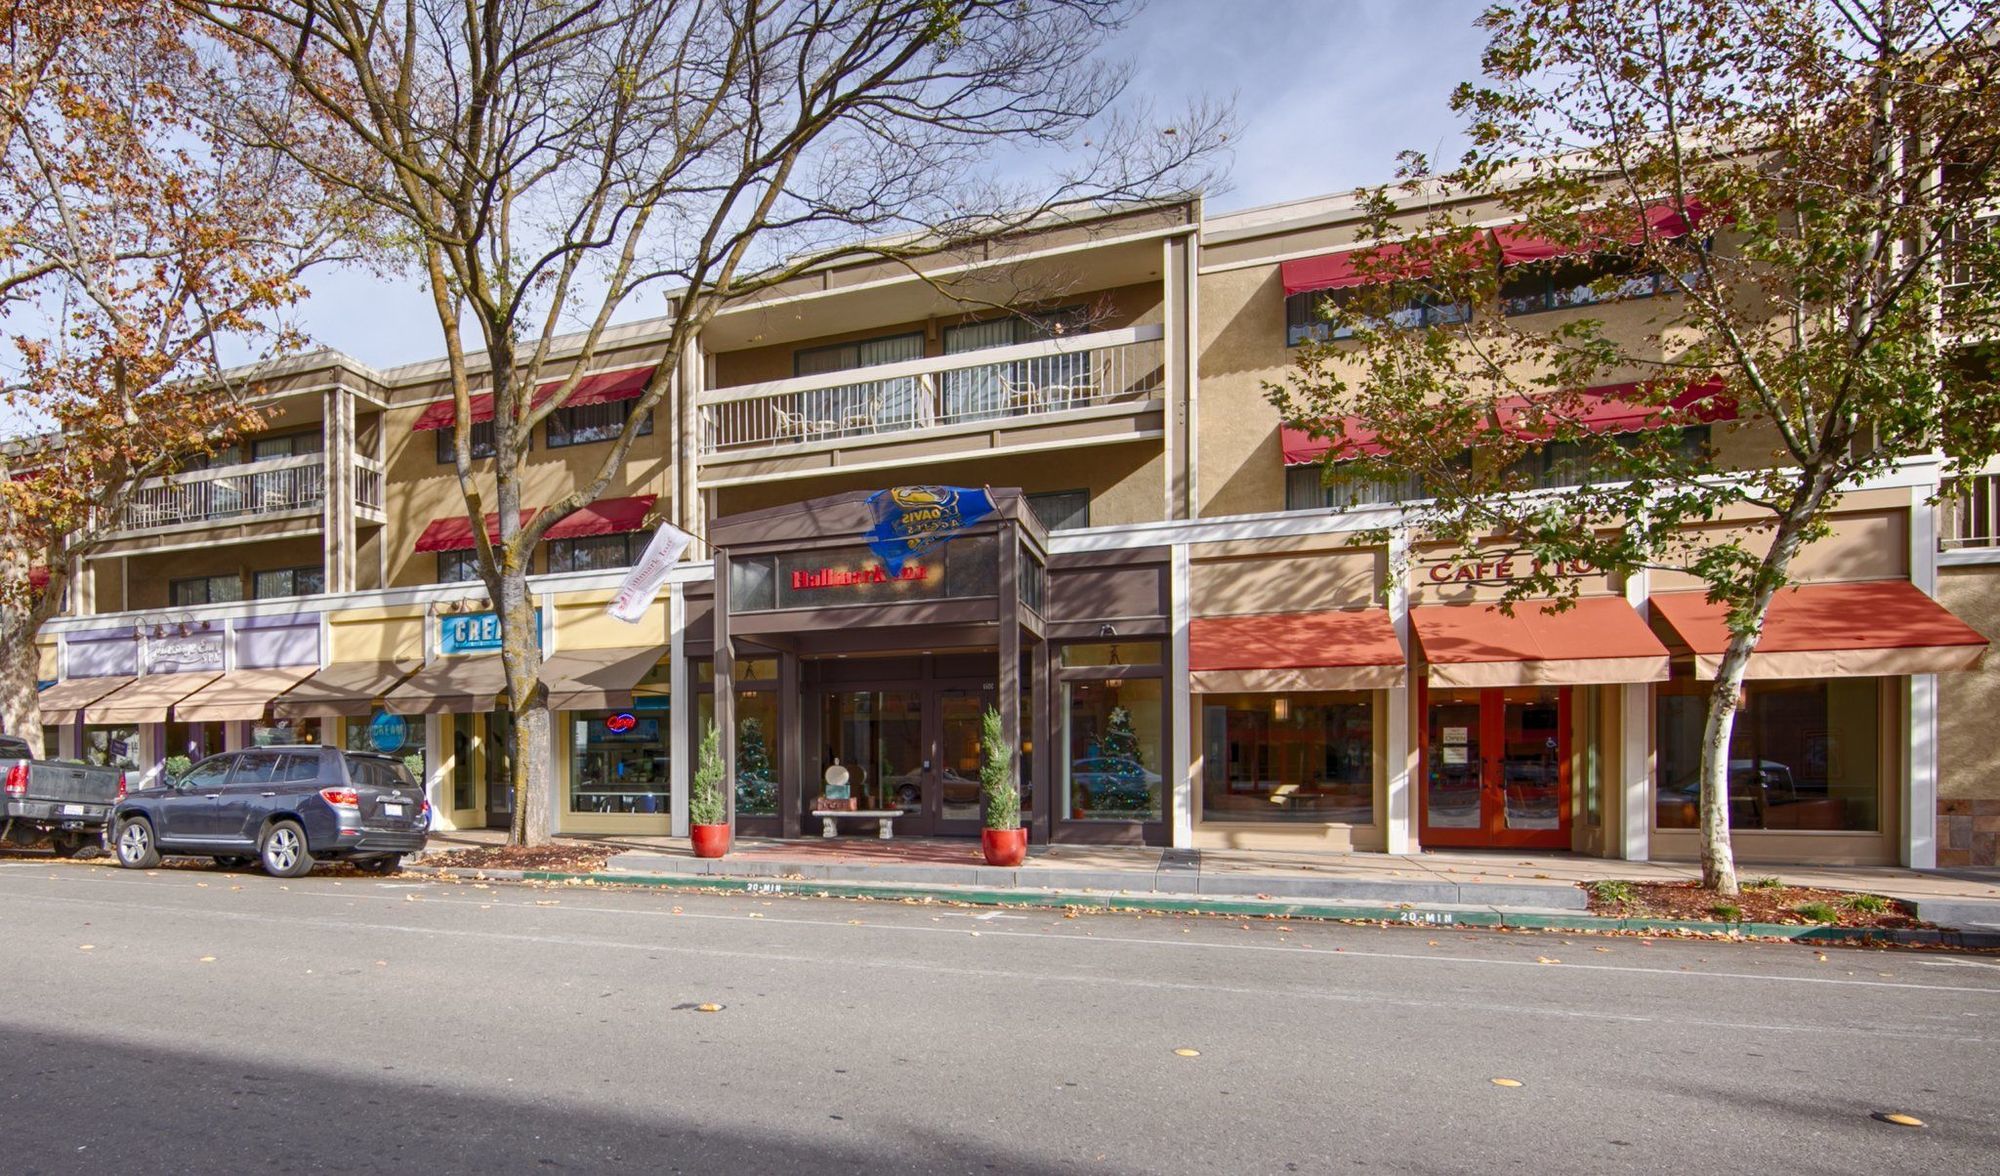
{"points": [[1445, 883]]}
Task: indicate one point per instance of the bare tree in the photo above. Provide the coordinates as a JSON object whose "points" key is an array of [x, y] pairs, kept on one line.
{"points": [[550, 162]]}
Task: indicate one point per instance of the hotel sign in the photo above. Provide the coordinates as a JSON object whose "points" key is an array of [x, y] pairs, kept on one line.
{"points": [[823, 578]]}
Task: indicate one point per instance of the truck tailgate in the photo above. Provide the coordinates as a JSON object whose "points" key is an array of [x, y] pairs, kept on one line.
{"points": [[72, 782]]}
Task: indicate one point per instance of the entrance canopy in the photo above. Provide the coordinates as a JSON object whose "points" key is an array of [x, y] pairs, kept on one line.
{"points": [[77, 693], [343, 689], [239, 694], [146, 700], [1873, 628], [1353, 649], [1599, 641]]}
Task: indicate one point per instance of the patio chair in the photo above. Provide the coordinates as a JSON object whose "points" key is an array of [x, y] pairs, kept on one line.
{"points": [[801, 426]]}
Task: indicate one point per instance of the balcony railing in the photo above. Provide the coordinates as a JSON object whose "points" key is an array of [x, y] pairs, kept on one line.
{"points": [[279, 486], [1000, 384], [368, 485], [1969, 513]]}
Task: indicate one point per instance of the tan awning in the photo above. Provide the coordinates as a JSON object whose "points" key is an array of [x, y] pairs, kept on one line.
{"points": [[146, 700], [1873, 628], [450, 686], [597, 679], [343, 689], [1599, 641], [239, 694], [76, 693], [1354, 649]]}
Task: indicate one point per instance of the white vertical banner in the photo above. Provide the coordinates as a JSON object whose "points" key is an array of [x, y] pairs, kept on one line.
{"points": [[642, 584]]}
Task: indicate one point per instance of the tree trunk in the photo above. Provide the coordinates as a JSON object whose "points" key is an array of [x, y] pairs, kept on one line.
{"points": [[521, 656], [20, 675], [1718, 854]]}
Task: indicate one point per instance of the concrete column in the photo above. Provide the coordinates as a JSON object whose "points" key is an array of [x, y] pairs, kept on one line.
{"points": [[1920, 698], [725, 689], [1008, 680], [1399, 822], [680, 709], [437, 773], [1175, 357], [1634, 778], [337, 510], [1180, 713]]}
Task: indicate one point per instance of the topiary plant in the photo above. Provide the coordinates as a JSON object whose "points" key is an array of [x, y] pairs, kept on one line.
{"points": [[705, 792], [996, 778]]}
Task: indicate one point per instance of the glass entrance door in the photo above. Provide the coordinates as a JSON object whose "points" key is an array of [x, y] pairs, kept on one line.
{"points": [[960, 712], [499, 770], [1496, 768], [878, 736]]}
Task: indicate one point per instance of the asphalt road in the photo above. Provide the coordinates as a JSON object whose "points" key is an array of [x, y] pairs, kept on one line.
{"points": [[192, 1020]]}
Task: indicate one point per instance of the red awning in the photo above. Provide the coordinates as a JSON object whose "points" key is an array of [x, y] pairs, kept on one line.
{"points": [[1871, 628], [1339, 271], [1301, 447], [1623, 408], [601, 388], [1520, 244], [1352, 649], [1599, 641], [609, 516]]}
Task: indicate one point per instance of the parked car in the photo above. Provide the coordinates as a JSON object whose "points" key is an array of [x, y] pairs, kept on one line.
{"points": [[63, 802], [286, 807]]}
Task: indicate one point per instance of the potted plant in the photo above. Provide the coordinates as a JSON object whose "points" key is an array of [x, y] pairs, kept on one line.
{"points": [[708, 825], [1003, 840], [176, 767]]}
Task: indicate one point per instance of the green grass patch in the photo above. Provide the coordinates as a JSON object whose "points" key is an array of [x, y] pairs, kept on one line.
{"points": [[1765, 883], [1613, 890], [1727, 912], [1867, 904], [1817, 912]]}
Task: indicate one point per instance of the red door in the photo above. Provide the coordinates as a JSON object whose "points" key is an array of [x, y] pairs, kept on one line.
{"points": [[1495, 768]]}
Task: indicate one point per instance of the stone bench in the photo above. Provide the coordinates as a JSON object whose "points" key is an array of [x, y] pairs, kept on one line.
{"points": [[885, 819]]}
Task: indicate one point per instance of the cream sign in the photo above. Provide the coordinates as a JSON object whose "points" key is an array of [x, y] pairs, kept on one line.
{"points": [[172, 655]]}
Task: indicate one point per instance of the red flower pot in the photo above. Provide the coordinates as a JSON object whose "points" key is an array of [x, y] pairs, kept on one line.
{"points": [[1004, 847], [710, 841]]}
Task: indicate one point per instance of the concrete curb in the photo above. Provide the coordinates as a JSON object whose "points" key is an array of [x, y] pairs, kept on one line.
{"points": [[1414, 914]]}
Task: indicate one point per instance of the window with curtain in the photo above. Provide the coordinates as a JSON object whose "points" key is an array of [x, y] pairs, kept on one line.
{"points": [[287, 582], [593, 422], [1306, 317], [866, 404], [206, 590], [481, 441], [980, 393], [596, 553]]}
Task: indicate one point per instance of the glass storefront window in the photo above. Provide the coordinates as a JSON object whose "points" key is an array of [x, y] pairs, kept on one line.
{"points": [[1112, 653], [748, 669], [1804, 755], [1289, 757], [385, 734], [112, 747], [464, 771], [1112, 730], [618, 762], [197, 741], [756, 747], [284, 732]]}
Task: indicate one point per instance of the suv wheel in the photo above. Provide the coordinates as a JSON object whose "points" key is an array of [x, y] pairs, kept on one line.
{"points": [[284, 851], [136, 850]]}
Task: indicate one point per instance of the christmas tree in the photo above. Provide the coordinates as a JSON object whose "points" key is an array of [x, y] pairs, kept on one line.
{"points": [[1120, 740], [754, 793]]}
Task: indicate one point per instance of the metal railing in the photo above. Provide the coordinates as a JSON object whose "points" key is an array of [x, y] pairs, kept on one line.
{"points": [[278, 486], [997, 384], [1969, 513], [368, 484]]}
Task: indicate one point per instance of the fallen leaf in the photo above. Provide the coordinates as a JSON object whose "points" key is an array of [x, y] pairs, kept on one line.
{"points": [[1547, 960], [1188, 1053], [381, 963], [89, 946], [1506, 1082], [207, 959], [548, 902], [708, 1008]]}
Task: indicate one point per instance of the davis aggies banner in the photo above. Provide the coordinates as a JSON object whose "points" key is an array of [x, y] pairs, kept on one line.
{"points": [[910, 520], [642, 584]]}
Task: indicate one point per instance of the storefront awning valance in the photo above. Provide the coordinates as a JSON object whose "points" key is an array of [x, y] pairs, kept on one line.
{"points": [[602, 388], [1621, 408], [1599, 641], [1872, 628], [1520, 244], [452, 685], [343, 689], [1302, 447], [597, 679], [1344, 270], [77, 693], [607, 516], [146, 700], [1350, 649], [239, 695]]}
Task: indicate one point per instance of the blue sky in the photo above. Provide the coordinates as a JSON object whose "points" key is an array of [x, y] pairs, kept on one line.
{"points": [[1326, 92]]}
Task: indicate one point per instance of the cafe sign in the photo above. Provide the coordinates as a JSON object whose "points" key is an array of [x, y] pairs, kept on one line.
{"points": [[1504, 569]]}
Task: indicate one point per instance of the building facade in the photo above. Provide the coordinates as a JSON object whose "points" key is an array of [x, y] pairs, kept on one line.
{"points": [[1198, 642]]}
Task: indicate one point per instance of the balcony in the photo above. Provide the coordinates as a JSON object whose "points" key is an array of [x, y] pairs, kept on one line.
{"points": [[1969, 513], [1085, 389], [276, 489]]}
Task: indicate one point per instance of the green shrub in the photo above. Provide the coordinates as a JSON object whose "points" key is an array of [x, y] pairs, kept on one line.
{"points": [[1867, 904], [1612, 890], [705, 792], [1765, 883], [1817, 912], [1727, 912], [996, 777], [177, 766]]}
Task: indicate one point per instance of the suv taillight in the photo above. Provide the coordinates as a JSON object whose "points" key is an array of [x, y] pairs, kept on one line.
{"points": [[121, 786], [340, 797], [17, 779]]}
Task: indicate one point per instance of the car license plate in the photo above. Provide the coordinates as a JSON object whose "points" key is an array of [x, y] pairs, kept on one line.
{"points": [[393, 810], [74, 810]]}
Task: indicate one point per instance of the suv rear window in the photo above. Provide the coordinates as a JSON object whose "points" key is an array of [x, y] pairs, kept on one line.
{"points": [[302, 767]]}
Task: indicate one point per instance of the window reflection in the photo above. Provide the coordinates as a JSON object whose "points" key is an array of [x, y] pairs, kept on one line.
{"points": [[1289, 757]]}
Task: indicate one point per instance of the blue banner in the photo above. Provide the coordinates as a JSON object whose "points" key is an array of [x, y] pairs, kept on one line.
{"points": [[910, 520]]}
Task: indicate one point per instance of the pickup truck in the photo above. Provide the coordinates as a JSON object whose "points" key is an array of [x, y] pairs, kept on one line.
{"points": [[66, 803]]}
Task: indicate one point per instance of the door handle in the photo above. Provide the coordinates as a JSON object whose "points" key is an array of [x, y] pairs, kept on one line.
{"points": [[212, 796], [267, 794]]}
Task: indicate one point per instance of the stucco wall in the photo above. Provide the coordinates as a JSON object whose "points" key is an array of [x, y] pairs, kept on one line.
{"points": [[149, 577], [1968, 744]]}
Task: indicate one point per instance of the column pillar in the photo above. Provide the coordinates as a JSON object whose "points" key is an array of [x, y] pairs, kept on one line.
{"points": [[680, 711], [725, 689], [1398, 822], [337, 556], [1009, 677], [1634, 779], [1920, 697], [1180, 694]]}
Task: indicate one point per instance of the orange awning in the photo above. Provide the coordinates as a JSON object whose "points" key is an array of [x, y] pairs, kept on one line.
{"points": [[1871, 628], [1353, 649], [1599, 641]]}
